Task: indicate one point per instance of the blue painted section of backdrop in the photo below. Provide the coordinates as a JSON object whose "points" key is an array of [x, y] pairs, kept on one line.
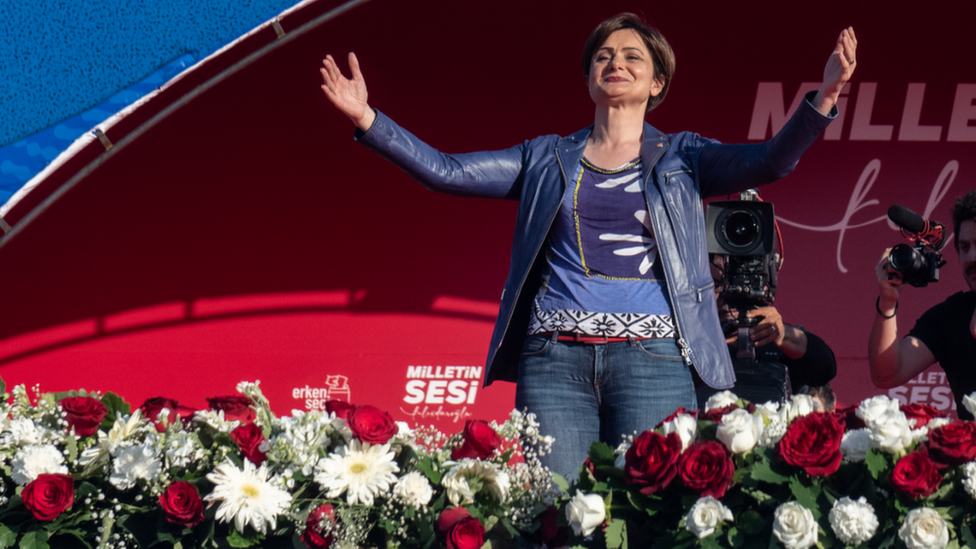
{"points": [[65, 57], [22, 160]]}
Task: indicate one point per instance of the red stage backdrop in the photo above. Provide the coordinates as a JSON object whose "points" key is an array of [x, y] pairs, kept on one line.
{"points": [[242, 234]]}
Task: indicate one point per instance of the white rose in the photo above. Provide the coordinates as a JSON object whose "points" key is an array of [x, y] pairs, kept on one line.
{"points": [[739, 431], [414, 489], [924, 529], [585, 512], [855, 444], [969, 401], [685, 425], [890, 431], [705, 515], [799, 405], [969, 482], [720, 400], [854, 522], [872, 408], [794, 527]]}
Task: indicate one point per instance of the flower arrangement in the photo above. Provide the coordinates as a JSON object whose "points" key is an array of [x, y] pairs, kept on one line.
{"points": [[782, 475], [86, 470]]}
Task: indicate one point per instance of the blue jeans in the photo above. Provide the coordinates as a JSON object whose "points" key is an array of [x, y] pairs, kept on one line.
{"points": [[583, 392]]}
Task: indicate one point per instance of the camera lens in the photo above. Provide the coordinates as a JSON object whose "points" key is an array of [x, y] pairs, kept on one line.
{"points": [[741, 228], [906, 260]]}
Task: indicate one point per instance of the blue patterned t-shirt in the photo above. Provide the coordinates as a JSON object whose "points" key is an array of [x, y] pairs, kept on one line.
{"points": [[604, 274]]}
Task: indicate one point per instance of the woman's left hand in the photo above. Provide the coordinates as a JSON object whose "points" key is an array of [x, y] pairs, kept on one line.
{"points": [[839, 69]]}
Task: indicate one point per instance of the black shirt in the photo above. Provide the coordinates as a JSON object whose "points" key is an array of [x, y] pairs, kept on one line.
{"points": [[765, 379], [944, 329]]}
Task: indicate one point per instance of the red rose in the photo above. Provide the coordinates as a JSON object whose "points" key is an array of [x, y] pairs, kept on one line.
{"points": [[921, 413], [848, 415], [813, 443], [235, 407], [459, 530], [372, 425], [49, 495], [249, 438], [181, 504], [448, 518], [652, 461], [315, 526], [915, 475], [480, 441], [715, 414], [85, 414], [681, 410], [340, 408], [954, 443], [706, 467], [552, 534], [152, 406]]}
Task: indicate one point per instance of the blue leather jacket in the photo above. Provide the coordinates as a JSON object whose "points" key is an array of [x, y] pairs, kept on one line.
{"points": [[679, 170]]}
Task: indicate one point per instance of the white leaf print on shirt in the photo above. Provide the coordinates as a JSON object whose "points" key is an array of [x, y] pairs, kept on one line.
{"points": [[648, 245], [615, 182]]}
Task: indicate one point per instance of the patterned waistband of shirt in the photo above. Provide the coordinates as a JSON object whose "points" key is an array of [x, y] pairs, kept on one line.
{"points": [[602, 324]]}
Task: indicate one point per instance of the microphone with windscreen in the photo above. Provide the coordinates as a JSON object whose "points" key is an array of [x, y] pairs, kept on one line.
{"points": [[919, 263]]}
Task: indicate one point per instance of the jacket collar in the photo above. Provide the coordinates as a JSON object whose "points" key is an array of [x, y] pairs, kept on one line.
{"points": [[569, 149]]}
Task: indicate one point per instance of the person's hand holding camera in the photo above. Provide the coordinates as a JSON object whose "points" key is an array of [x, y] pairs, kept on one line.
{"points": [[889, 286], [771, 329]]}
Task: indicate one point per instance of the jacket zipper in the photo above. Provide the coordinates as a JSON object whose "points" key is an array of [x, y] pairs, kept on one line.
{"points": [[669, 276]]}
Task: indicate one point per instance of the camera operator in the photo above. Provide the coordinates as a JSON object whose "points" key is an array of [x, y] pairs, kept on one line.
{"points": [[789, 359], [946, 333]]}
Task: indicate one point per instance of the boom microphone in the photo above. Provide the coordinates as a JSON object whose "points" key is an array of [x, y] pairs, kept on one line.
{"points": [[917, 229], [906, 219]]}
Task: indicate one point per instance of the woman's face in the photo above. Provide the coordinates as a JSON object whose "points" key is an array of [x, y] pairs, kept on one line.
{"points": [[622, 71]]}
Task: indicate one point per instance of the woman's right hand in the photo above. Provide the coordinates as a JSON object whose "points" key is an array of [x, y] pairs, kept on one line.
{"points": [[349, 96], [889, 283]]}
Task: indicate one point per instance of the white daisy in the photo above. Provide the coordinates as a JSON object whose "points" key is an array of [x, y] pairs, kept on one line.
{"points": [[493, 480], [36, 459], [246, 497], [361, 470]]}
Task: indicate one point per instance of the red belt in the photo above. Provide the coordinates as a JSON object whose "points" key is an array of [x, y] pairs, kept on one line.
{"points": [[594, 340]]}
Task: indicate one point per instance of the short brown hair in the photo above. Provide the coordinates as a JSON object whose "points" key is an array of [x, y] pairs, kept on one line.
{"points": [[964, 210], [656, 44]]}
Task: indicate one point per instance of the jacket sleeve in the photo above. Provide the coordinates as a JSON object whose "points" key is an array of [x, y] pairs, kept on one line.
{"points": [[489, 174], [726, 169]]}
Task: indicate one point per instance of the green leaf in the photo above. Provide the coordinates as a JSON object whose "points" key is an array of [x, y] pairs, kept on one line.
{"points": [[71, 445], [876, 462], [34, 539], [967, 536], [616, 534], [560, 482], [116, 405], [8, 536], [806, 496], [711, 542], [751, 522], [736, 538], [426, 466], [3, 388], [601, 453], [237, 539], [763, 471]]}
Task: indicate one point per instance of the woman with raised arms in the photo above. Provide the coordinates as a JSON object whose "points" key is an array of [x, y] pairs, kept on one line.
{"points": [[608, 306]]}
